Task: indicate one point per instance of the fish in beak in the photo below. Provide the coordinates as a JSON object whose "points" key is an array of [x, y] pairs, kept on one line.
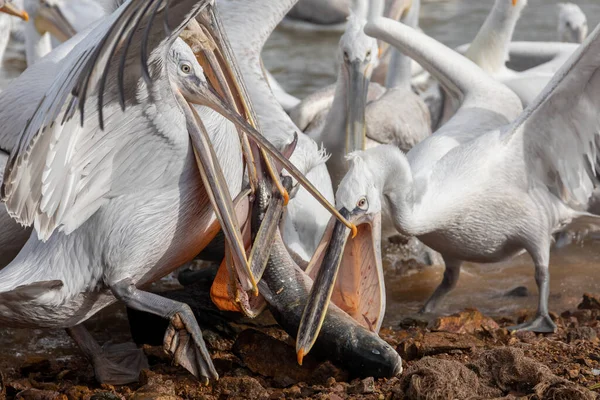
{"points": [[50, 19], [357, 88], [349, 273], [10, 9]]}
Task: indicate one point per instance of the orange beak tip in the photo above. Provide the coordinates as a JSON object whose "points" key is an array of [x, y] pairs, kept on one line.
{"points": [[354, 231], [514, 2], [300, 356], [286, 197], [25, 16]]}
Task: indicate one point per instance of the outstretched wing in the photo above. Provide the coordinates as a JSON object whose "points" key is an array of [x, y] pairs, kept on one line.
{"points": [[59, 173], [559, 132]]}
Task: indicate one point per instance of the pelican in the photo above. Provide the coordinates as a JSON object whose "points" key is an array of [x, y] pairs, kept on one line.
{"points": [[321, 12], [248, 25], [572, 23], [495, 180], [108, 217], [6, 11], [58, 19], [359, 106], [492, 47]]}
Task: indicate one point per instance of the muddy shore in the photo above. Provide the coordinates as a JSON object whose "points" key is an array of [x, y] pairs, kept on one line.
{"points": [[463, 356]]}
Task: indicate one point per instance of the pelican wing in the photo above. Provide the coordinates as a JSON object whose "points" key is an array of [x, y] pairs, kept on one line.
{"points": [[559, 132], [59, 173]]}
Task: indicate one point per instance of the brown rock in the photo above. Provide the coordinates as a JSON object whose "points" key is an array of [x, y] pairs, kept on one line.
{"points": [[244, 387], [154, 387], [34, 364], [443, 342], [105, 396], [589, 302], [468, 321], [36, 394], [364, 386], [77, 392], [270, 357], [582, 333]]}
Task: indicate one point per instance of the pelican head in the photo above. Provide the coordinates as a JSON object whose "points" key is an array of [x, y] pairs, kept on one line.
{"points": [[7, 8], [351, 272], [358, 60], [47, 17], [572, 23]]}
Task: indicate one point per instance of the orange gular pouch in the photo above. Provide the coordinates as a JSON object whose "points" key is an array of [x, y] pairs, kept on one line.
{"points": [[226, 291], [359, 287]]}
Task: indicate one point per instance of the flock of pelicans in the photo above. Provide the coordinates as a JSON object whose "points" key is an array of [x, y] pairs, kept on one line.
{"points": [[154, 134]]}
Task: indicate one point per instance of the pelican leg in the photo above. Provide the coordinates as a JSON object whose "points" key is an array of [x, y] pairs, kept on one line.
{"points": [[118, 364], [451, 275], [183, 338], [542, 323]]}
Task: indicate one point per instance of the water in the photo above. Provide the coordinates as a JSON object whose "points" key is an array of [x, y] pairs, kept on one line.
{"points": [[306, 61]]}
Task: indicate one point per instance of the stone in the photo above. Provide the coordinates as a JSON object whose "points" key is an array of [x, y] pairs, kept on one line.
{"points": [[582, 333], [36, 394], [35, 364], [519, 291], [364, 386], [468, 321], [105, 396], [589, 302], [252, 347], [78, 393], [244, 387], [444, 342]]}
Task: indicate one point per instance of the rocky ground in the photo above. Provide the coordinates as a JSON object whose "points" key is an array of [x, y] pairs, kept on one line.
{"points": [[464, 356]]}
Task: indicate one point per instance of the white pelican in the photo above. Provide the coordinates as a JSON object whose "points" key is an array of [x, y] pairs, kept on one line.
{"points": [[493, 181], [249, 24], [109, 217], [56, 20], [360, 108], [6, 11], [492, 48], [572, 23]]}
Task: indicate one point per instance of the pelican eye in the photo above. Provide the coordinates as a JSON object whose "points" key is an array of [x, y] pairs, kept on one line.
{"points": [[363, 204], [368, 55], [346, 56], [186, 68]]}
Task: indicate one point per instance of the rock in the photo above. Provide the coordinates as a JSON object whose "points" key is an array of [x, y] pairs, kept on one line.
{"points": [[408, 322], [154, 387], [364, 386], [582, 333], [589, 302], [270, 357], [34, 365], [244, 387], [105, 396], [36, 394], [2, 387], [325, 371], [519, 291], [78, 393], [443, 342], [468, 321]]}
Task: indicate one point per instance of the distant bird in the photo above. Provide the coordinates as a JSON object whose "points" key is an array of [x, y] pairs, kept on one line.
{"points": [[572, 23], [7, 9]]}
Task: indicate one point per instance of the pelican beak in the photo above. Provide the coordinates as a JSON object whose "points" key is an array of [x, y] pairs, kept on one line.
{"points": [[50, 19], [9, 9], [358, 288], [357, 89], [514, 2]]}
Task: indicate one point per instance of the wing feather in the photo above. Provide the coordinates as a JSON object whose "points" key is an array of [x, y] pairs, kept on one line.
{"points": [[559, 132], [60, 171]]}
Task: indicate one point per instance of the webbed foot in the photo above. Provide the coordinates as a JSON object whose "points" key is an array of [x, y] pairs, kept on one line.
{"points": [[119, 364], [541, 324], [183, 340]]}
